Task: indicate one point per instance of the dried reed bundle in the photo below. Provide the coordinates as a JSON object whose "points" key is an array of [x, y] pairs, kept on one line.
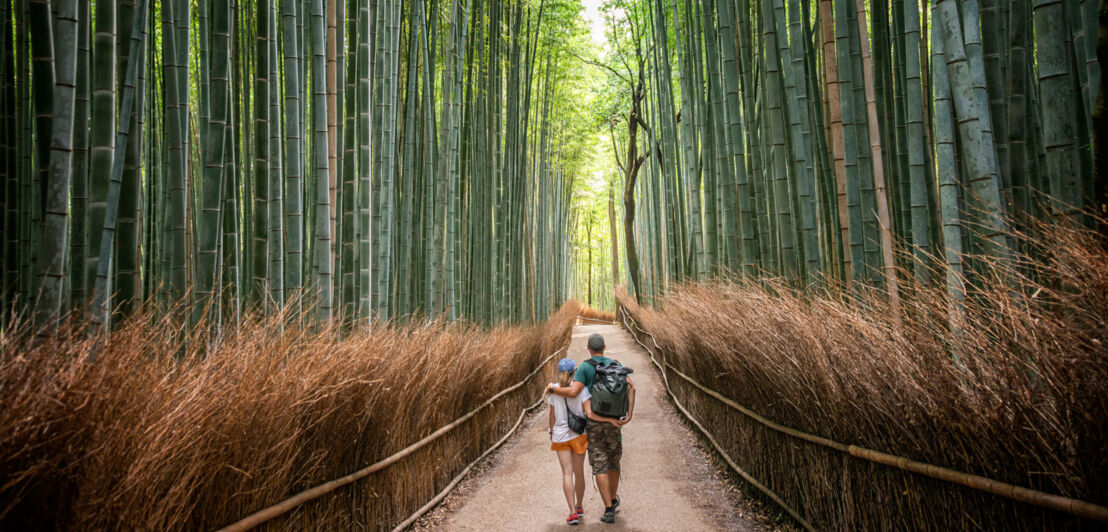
{"points": [[1016, 390], [596, 314], [150, 438]]}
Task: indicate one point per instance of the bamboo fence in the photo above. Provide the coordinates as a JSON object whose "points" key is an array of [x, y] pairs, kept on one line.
{"points": [[1018, 493], [275, 510]]}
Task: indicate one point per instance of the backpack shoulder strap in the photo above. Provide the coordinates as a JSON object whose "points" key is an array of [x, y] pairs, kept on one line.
{"points": [[590, 362], [610, 363]]}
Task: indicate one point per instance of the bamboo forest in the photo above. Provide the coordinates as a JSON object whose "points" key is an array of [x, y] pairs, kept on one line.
{"points": [[235, 232]]}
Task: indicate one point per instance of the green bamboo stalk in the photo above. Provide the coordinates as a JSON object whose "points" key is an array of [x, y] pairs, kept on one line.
{"points": [[745, 218], [209, 260], [825, 172], [259, 244], [294, 192], [853, 204], [993, 55], [898, 174], [64, 59], [886, 32], [691, 168], [870, 224], [917, 146], [365, 70], [229, 277], [971, 106], [24, 126], [78, 220], [1060, 109], [947, 171], [153, 206], [128, 253], [1019, 73], [789, 266], [127, 102], [103, 126], [701, 138], [349, 178], [334, 142], [42, 48], [667, 130], [1080, 17], [323, 284], [729, 251], [431, 258], [9, 126], [883, 215], [837, 128], [381, 101], [275, 204], [800, 124], [178, 125]]}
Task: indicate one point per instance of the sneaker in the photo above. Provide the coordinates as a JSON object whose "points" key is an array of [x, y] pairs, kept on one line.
{"points": [[609, 516], [615, 503], [580, 512], [573, 519]]}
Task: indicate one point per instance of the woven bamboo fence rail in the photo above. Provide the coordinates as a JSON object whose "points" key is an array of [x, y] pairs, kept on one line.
{"points": [[442, 494], [1041, 499], [273, 511], [719, 448]]}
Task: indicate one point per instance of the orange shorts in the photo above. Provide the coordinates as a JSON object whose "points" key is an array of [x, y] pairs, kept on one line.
{"points": [[578, 445]]}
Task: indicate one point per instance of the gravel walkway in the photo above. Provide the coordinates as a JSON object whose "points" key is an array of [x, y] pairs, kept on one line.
{"points": [[669, 482]]}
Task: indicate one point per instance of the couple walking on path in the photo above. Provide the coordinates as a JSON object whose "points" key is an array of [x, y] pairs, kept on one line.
{"points": [[588, 406]]}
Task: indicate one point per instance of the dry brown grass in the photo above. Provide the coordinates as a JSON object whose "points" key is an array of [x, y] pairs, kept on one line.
{"points": [[1026, 401], [596, 314], [147, 439]]}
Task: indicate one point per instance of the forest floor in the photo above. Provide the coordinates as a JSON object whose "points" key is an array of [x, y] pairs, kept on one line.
{"points": [[669, 480]]}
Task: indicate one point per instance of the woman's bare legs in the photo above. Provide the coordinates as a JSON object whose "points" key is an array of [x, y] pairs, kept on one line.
{"points": [[565, 458], [579, 477]]}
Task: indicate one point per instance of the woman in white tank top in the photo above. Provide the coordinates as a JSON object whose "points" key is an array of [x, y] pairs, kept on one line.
{"points": [[569, 445]]}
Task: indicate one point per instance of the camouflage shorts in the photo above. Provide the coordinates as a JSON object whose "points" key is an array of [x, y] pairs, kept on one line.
{"points": [[605, 446]]}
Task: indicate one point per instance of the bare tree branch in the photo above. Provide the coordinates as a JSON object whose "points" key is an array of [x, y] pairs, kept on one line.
{"points": [[602, 65], [615, 147]]}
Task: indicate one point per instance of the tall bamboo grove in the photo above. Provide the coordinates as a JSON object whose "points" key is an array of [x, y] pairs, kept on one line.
{"points": [[856, 144], [369, 159]]}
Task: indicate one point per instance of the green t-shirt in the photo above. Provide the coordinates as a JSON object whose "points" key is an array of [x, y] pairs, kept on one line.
{"points": [[586, 373]]}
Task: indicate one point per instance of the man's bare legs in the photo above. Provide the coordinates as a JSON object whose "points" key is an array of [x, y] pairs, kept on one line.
{"points": [[603, 485], [613, 482]]}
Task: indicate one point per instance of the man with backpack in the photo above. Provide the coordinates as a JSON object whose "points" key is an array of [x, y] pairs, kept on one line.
{"points": [[610, 406]]}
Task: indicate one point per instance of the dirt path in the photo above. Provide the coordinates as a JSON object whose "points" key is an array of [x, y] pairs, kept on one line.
{"points": [[668, 483]]}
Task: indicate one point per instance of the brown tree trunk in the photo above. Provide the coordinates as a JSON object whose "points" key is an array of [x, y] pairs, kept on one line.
{"points": [[631, 174], [588, 233], [615, 235]]}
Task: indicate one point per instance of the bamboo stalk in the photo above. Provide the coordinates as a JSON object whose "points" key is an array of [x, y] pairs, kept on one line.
{"points": [[883, 216], [138, 40]]}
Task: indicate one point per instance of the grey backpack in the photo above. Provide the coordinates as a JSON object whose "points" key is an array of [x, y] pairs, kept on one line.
{"points": [[609, 392]]}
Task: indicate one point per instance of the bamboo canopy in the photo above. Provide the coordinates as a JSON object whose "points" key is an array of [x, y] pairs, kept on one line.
{"points": [[373, 159], [853, 144]]}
